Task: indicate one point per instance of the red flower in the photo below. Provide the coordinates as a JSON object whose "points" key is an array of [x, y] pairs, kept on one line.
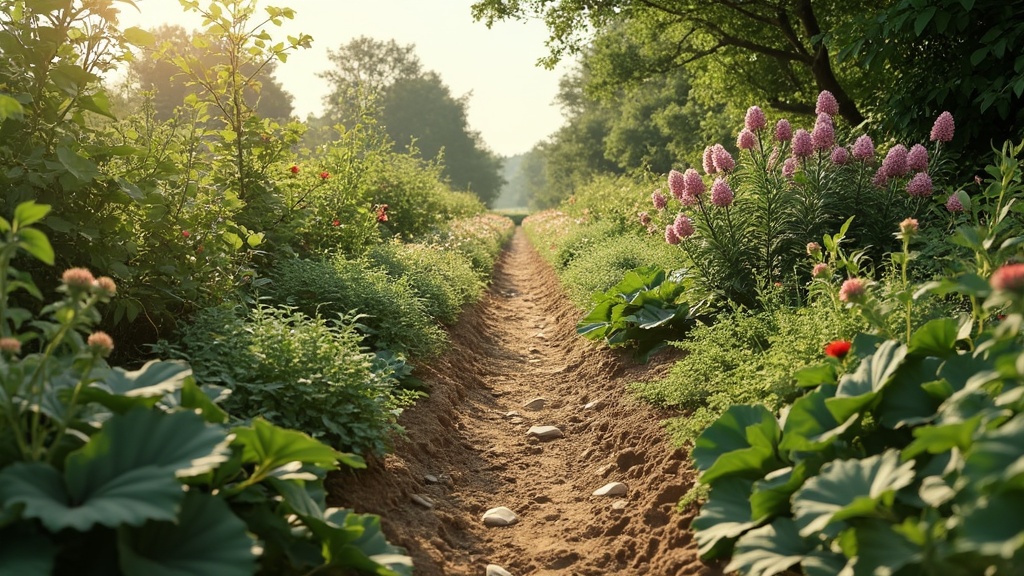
{"points": [[382, 213], [325, 175], [199, 249], [294, 169], [186, 233], [837, 349], [1009, 278], [335, 222]]}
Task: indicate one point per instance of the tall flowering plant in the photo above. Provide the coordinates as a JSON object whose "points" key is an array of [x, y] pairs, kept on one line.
{"points": [[746, 221]]}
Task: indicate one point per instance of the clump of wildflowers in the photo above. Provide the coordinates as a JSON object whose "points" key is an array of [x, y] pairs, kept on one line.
{"points": [[722, 159], [820, 270], [789, 167], [670, 235], [954, 205], [920, 186], [813, 249], [909, 227], [942, 130], [708, 160], [10, 346], [659, 200], [683, 226], [78, 278], [721, 194], [693, 186], [106, 285], [826, 104]]}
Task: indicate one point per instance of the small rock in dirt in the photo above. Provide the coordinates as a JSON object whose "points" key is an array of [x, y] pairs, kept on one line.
{"points": [[611, 489], [593, 405], [552, 517], [516, 420], [544, 432], [604, 470], [511, 414], [500, 516], [533, 350], [536, 404], [541, 499], [620, 504], [431, 479], [422, 500], [495, 570]]}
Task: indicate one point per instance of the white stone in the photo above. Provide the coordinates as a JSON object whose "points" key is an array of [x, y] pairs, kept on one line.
{"points": [[619, 504], [611, 489], [499, 516], [495, 570], [431, 479], [544, 432], [511, 414], [535, 404], [422, 500]]}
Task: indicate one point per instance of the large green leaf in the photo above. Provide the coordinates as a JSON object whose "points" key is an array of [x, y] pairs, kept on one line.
{"points": [[998, 456], [859, 389], [724, 517], [810, 426], [384, 558], [942, 438], [878, 547], [743, 441], [850, 488], [121, 390], [775, 548], [994, 527], [206, 538], [270, 447], [24, 553], [355, 541], [772, 494], [936, 338], [906, 401], [28, 213]]}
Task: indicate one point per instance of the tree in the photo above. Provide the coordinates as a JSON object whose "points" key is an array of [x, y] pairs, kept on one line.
{"points": [[169, 86], [415, 107], [758, 39]]}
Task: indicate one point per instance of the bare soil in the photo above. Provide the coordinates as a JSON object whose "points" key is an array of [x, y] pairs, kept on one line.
{"points": [[517, 344]]}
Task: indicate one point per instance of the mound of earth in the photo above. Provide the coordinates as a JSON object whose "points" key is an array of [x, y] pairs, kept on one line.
{"points": [[468, 449]]}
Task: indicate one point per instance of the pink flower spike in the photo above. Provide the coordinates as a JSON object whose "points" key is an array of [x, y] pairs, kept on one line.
{"points": [[895, 163], [683, 226], [820, 270], [824, 135], [745, 140], [840, 156], [659, 200], [721, 193], [755, 119], [708, 160], [917, 158], [694, 184], [826, 104], [920, 186], [942, 130], [783, 131], [880, 180], [789, 167], [803, 145], [864, 148], [954, 205], [670, 235], [853, 290], [722, 159], [1008, 278], [676, 184]]}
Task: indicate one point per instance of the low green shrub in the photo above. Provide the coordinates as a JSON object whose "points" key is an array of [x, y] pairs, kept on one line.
{"points": [[604, 265], [298, 372], [583, 238], [393, 316], [444, 279], [479, 238]]}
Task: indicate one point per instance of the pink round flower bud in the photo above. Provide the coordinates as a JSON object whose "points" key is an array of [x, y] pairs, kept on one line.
{"points": [[80, 278], [917, 158], [942, 130], [803, 144], [1009, 278], [783, 131], [954, 205], [721, 193], [820, 270], [755, 119], [106, 285], [824, 134], [708, 160], [789, 167], [864, 148], [895, 163], [101, 343], [840, 156], [676, 184], [909, 227], [722, 159], [853, 290], [645, 218], [694, 184], [813, 249], [745, 140], [826, 104], [659, 200], [920, 186], [683, 226], [670, 235], [10, 346]]}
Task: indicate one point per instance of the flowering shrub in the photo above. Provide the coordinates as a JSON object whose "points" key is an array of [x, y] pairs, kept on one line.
{"points": [[745, 222]]}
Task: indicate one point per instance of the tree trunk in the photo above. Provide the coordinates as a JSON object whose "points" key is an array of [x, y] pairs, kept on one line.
{"points": [[821, 66]]}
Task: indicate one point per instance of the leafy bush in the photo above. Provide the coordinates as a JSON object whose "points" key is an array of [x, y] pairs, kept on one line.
{"points": [[574, 242], [603, 266], [480, 238], [445, 280], [391, 313], [645, 309], [614, 199], [105, 470], [297, 372]]}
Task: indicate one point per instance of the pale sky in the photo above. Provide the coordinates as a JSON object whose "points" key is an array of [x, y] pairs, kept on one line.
{"points": [[512, 99]]}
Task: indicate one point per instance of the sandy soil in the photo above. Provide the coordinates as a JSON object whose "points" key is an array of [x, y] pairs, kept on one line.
{"points": [[517, 344]]}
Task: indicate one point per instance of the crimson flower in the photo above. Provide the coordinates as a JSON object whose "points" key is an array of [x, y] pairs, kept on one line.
{"points": [[186, 233], [294, 169], [837, 349], [382, 213], [325, 175], [335, 222]]}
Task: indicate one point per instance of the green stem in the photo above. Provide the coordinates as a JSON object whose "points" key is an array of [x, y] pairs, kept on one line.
{"points": [[62, 426]]}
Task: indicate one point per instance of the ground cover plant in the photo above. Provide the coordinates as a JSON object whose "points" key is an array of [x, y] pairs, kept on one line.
{"points": [[120, 471]]}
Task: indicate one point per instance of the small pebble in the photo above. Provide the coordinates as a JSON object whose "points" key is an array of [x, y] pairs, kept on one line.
{"points": [[422, 500], [611, 489], [535, 404], [495, 570], [431, 479], [544, 432], [500, 516]]}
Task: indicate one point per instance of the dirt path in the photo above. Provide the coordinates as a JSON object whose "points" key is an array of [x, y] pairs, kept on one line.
{"points": [[517, 344]]}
